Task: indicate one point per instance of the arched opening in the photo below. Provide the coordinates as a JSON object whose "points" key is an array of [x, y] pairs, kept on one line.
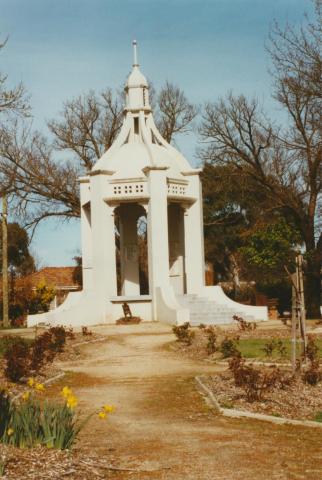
{"points": [[176, 248], [143, 254], [131, 250]]}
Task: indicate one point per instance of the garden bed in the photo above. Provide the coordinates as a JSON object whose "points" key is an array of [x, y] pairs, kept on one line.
{"points": [[296, 401], [251, 344], [49, 370]]}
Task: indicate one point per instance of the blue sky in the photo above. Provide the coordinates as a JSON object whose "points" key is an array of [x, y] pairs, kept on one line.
{"points": [[62, 48]]}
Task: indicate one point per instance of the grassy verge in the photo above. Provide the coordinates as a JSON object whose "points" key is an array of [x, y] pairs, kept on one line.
{"points": [[254, 348]]}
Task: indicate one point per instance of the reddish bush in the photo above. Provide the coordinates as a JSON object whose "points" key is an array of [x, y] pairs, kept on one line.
{"points": [[253, 381], [243, 325], [183, 333], [17, 357], [212, 340], [312, 375]]}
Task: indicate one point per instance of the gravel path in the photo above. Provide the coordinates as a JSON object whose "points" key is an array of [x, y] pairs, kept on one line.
{"points": [[163, 429]]}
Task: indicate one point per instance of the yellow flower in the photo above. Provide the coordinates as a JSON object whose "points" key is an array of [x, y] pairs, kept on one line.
{"points": [[25, 396], [72, 402], [31, 382], [108, 408], [39, 387], [102, 415], [10, 432], [66, 392]]}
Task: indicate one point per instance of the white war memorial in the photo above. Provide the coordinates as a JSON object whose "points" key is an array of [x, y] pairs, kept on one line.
{"points": [[142, 176]]}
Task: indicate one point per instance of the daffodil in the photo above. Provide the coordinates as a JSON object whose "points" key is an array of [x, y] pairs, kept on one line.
{"points": [[10, 432], [25, 396], [71, 402], [66, 392], [39, 387], [31, 382], [102, 415], [108, 408]]}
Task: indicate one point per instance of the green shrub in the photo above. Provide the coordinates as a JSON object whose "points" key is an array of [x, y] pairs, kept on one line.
{"points": [[228, 347], [318, 417], [4, 412]]}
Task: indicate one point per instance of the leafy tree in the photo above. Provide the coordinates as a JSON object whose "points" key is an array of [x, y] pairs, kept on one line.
{"points": [[231, 207], [20, 259], [285, 162], [78, 272], [242, 240], [270, 247]]}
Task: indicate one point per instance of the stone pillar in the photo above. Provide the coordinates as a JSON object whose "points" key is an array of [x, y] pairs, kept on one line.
{"points": [[129, 251], [157, 220], [103, 237], [86, 234], [194, 240]]}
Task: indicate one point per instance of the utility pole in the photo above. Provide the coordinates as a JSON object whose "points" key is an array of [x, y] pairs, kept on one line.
{"points": [[302, 314], [5, 293], [298, 315], [294, 325]]}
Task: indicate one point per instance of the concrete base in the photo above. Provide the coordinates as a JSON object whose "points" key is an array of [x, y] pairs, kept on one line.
{"points": [[210, 306]]}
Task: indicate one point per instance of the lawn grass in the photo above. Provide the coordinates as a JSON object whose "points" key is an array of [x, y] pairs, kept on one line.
{"points": [[254, 348], [318, 417]]}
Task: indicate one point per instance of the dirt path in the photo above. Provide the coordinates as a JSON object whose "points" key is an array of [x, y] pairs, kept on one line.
{"points": [[163, 427]]}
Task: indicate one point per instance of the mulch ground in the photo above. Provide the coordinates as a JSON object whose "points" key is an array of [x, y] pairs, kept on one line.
{"points": [[42, 464], [298, 400]]}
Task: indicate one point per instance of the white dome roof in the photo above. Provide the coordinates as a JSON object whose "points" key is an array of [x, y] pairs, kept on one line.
{"points": [[136, 79], [130, 159], [139, 143]]}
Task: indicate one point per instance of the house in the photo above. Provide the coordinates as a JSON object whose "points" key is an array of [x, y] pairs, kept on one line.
{"points": [[59, 278]]}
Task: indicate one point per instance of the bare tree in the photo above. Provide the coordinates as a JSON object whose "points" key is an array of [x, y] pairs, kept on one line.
{"points": [[175, 113], [44, 182], [42, 186], [88, 127], [286, 162], [13, 103]]}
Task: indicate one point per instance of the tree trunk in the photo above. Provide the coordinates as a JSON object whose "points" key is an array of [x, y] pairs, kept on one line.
{"points": [[313, 283], [5, 292]]}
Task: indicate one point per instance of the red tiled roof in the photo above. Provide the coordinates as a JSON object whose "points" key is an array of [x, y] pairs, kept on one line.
{"points": [[53, 277]]}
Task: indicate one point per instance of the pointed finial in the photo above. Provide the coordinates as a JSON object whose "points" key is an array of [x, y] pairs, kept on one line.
{"points": [[135, 54]]}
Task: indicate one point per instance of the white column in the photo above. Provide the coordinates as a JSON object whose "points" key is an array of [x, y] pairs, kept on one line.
{"points": [[157, 219], [103, 231], [86, 234], [194, 240]]}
